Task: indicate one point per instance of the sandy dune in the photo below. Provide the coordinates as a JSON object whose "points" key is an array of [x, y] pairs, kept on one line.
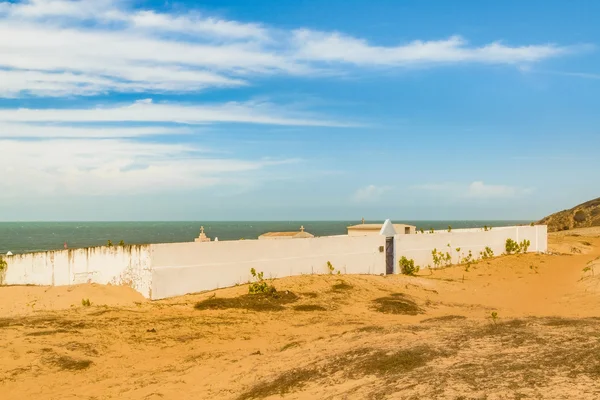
{"points": [[324, 337]]}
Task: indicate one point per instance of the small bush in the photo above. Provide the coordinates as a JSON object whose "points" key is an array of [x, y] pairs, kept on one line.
{"points": [[449, 228], [86, 302], [3, 264], [486, 253], [260, 285], [122, 243], [579, 216], [407, 267], [109, 243], [330, 268], [512, 247]]}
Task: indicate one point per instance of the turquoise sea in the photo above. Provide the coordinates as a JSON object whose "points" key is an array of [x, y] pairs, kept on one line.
{"points": [[22, 237]]}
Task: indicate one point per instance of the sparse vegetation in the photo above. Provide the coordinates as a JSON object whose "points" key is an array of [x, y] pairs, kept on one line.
{"points": [[122, 243], [397, 303], [449, 228], [444, 318], [340, 286], [512, 247], [109, 243], [290, 346], [86, 302], [260, 285], [330, 267], [494, 316], [69, 363], [441, 259], [3, 267], [486, 253], [255, 302], [534, 268], [407, 267], [309, 307]]}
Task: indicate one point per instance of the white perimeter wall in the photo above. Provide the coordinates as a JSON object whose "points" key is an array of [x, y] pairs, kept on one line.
{"points": [[419, 247], [181, 268], [165, 270], [118, 265]]}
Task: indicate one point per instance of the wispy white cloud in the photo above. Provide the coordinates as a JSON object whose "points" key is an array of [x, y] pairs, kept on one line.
{"points": [[29, 130], [100, 167], [370, 193], [61, 47], [336, 47], [474, 190], [147, 111]]}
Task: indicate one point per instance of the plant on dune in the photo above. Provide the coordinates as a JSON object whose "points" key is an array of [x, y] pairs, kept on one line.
{"points": [[260, 285], [449, 228], [494, 316], [407, 267], [486, 253], [330, 267], [512, 247], [3, 266], [109, 243], [86, 302], [122, 243], [431, 230]]}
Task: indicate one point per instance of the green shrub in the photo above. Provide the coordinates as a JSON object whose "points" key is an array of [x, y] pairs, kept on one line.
{"points": [[512, 247], [3, 264], [260, 285], [122, 243], [330, 267], [449, 228], [486, 253], [109, 243], [407, 267], [86, 302]]}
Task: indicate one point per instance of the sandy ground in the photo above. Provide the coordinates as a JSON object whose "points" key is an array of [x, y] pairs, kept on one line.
{"points": [[324, 337]]}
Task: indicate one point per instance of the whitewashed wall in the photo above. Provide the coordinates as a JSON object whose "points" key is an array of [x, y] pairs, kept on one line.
{"points": [[164, 270], [419, 247], [181, 268], [118, 265]]}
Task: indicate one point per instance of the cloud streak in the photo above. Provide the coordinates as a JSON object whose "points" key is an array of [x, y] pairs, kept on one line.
{"points": [[90, 167], [61, 47], [475, 190]]}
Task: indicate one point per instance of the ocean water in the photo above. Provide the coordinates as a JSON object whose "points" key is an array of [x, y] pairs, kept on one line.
{"points": [[22, 237]]}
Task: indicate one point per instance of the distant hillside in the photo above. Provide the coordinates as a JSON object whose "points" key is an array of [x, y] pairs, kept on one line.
{"points": [[581, 216]]}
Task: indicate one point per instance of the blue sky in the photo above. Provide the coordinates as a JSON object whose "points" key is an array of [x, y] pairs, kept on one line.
{"points": [[154, 110]]}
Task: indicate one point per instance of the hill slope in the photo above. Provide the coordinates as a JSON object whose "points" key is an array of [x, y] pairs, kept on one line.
{"points": [[584, 215]]}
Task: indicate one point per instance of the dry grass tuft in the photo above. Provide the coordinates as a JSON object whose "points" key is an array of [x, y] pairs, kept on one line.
{"points": [[253, 302], [444, 318], [397, 303], [341, 285], [69, 363], [281, 385], [49, 332], [309, 307], [290, 345]]}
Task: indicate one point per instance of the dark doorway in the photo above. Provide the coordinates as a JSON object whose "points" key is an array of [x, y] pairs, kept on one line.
{"points": [[389, 255], [407, 230]]}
